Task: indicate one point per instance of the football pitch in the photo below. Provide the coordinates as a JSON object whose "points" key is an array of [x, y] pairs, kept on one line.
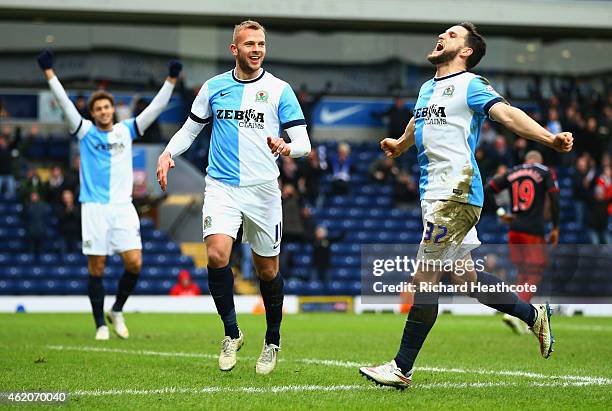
{"points": [[170, 361]]}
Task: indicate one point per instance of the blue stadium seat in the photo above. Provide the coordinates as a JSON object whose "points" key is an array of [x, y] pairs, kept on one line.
{"points": [[294, 286], [5, 259], [151, 272], [146, 223], [199, 273], [49, 259], [314, 288], [60, 272], [25, 287], [12, 272], [24, 258], [76, 287], [74, 258], [7, 287]]}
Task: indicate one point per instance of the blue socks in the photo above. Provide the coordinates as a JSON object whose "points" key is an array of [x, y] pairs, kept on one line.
{"points": [[96, 297], [221, 285], [272, 293], [506, 302], [421, 318]]}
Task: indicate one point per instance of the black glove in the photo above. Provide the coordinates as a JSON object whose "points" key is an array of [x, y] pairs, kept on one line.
{"points": [[174, 68], [45, 59]]}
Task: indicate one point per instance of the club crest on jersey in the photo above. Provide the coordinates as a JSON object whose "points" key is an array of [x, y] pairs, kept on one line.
{"points": [[448, 91], [207, 222], [261, 96]]}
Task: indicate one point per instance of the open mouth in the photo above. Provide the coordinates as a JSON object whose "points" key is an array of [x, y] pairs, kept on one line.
{"points": [[439, 46], [255, 59]]}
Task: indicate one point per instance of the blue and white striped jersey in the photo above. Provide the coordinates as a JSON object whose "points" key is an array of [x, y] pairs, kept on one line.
{"points": [[448, 116], [244, 113], [106, 162]]}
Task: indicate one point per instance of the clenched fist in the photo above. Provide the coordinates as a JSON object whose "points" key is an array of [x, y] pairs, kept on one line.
{"points": [[563, 142]]}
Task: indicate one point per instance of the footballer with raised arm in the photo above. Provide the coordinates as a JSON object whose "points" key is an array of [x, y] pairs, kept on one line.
{"points": [[109, 222], [248, 108], [449, 112]]}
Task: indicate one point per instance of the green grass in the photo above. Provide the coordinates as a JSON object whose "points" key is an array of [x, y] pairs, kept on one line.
{"points": [[583, 348]]}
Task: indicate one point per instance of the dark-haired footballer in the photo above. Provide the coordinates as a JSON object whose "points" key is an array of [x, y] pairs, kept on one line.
{"points": [[109, 222], [449, 112]]}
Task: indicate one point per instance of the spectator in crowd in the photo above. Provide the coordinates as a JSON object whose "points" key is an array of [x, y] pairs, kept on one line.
{"points": [[292, 230], [321, 253], [8, 151], [500, 152], [81, 105], [341, 169], [487, 134], [486, 164], [591, 139], [397, 117], [308, 102], [69, 222], [383, 170], [600, 209], [572, 121], [309, 183], [55, 185], [3, 112], [405, 190], [520, 149], [123, 111], [582, 179], [71, 177], [288, 169], [185, 286], [36, 216], [553, 125], [32, 184]]}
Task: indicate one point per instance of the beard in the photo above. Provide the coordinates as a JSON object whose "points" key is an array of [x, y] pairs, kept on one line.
{"points": [[245, 64], [444, 57]]}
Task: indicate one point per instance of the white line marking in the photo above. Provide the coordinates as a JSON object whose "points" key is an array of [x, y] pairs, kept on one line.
{"points": [[317, 388], [207, 390], [570, 379]]}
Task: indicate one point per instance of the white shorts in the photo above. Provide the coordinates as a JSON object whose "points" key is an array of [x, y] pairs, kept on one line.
{"points": [[258, 208], [449, 229], [109, 228]]}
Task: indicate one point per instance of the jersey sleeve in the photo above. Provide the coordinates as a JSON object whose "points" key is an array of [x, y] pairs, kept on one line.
{"points": [[289, 110], [551, 183], [83, 128], [481, 96], [499, 183], [130, 123], [200, 110]]}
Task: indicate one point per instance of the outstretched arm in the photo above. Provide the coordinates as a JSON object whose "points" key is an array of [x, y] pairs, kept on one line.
{"points": [[74, 119], [395, 147], [517, 121], [160, 101]]}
